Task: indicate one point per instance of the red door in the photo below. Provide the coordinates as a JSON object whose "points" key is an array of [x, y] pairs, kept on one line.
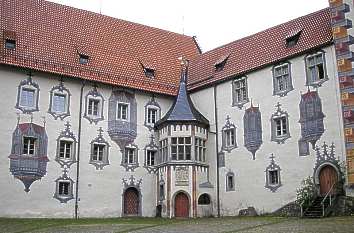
{"points": [[181, 206], [131, 202], [328, 177]]}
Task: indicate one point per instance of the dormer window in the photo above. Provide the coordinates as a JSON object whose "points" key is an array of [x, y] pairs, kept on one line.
{"points": [[219, 64], [293, 38], [149, 72], [83, 59], [10, 43]]}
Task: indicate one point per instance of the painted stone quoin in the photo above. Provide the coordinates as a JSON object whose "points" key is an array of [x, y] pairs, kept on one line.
{"points": [[141, 122]]}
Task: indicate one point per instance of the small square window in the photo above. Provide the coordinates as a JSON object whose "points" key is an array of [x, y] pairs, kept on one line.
{"points": [[122, 111], [10, 43], [64, 188], [83, 59], [93, 107], [29, 146], [65, 149], [27, 98], [59, 103], [98, 152]]}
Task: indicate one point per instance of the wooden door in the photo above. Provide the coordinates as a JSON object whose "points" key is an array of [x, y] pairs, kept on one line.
{"points": [[328, 177], [181, 206], [131, 202]]}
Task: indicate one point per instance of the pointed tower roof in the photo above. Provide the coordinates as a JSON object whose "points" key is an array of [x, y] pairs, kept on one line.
{"points": [[183, 110]]}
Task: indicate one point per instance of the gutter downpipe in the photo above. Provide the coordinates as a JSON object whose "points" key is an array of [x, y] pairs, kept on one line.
{"points": [[78, 154], [217, 151]]}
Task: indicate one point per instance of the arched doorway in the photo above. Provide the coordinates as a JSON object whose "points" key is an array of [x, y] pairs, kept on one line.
{"points": [[327, 178], [181, 205], [131, 202]]}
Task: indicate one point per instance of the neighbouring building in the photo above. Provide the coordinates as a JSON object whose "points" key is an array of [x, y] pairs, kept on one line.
{"points": [[103, 117]]}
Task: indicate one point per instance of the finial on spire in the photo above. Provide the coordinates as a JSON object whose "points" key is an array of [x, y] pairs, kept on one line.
{"points": [[67, 126], [272, 157], [100, 131], [278, 106]]}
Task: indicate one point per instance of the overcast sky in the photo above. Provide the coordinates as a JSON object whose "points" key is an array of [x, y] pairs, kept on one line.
{"points": [[213, 22]]}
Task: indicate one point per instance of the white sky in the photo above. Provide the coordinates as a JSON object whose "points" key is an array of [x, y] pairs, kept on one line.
{"points": [[213, 22]]}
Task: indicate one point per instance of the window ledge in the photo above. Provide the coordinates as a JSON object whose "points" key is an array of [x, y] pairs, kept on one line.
{"points": [[240, 104], [283, 93], [318, 83], [99, 164], [130, 166], [280, 139]]}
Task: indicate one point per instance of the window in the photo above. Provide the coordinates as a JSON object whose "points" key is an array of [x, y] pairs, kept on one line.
{"points": [[64, 188], [230, 181], [282, 83], [150, 157], [316, 69], [122, 111], [27, 98], [93, 107], [273, 177], [65, 149], [83, 59], [292, 39], [149, 72], [181, 148], [162, 190], [279, 126], [129, 156], [98, 152], [204, 199], [59, 102], [151, 115], [29, 146], [200, 149], [163, 150], [10, 43], [240, 95], [230, 137]]}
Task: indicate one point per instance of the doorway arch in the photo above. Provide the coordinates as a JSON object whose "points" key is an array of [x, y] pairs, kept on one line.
{"points": [[131, 202], [182, 206]]}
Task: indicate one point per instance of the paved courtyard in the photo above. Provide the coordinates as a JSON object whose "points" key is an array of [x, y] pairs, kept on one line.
{"points": [[225, 225]]}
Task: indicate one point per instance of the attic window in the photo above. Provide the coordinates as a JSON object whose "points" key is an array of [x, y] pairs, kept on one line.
{"points": [[83, 59], [149, 72], [10, 43], [292, 38], [219, 64]]}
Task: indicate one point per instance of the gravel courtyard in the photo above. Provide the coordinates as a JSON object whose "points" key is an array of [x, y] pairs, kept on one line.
{"points": [[226, 225]]}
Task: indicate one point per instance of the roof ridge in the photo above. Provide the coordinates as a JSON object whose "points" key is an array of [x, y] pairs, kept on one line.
{"points": [[265, 30]]}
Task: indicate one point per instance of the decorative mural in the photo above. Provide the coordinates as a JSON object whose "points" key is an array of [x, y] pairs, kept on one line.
{"points": [[27, 95], [311, 121], [99, 140], [229, 141], [327, 157], [182, 176], [122, 132], [280, 130], [95, 114], [28, 158], [151, 147], [252, 122], [64, 186]]}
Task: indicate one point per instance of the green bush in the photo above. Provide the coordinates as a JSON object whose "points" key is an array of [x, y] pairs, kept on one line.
{"points": [[306, 193]]}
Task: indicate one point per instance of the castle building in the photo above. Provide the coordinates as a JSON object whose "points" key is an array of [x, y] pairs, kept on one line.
{"points": [[103, 118]]}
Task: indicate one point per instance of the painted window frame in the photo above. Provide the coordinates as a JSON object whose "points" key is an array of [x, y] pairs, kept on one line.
{"points": [[279, 114], [59, 90], [273, 167], [99, 141], [228, 127], [152, 104], [28, 84], [64, 198], [239, 102], [130, 166], [229, 187], [66, 135], [288, 82], [309, 78], [94, 95]]}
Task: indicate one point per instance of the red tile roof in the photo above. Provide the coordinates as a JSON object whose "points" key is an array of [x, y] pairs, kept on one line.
{"points": [[261, 49], [49, 37]]}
